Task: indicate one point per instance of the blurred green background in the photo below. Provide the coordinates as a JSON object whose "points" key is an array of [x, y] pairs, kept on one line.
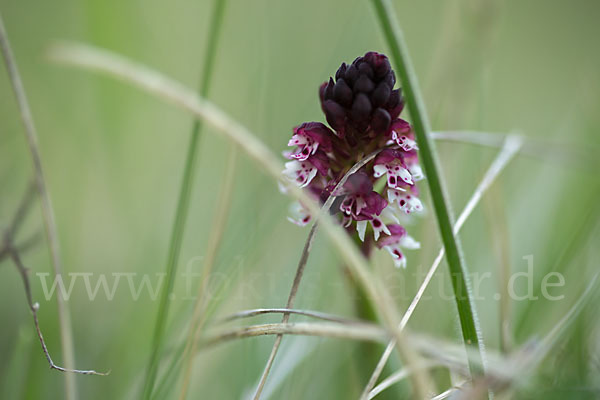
{"points": [[114, 156]]}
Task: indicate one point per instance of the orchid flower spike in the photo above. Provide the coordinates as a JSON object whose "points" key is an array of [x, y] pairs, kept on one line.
{"points": [[362, 109]]}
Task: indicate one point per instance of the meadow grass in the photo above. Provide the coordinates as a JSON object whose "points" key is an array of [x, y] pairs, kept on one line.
{"points": [[535, 348]]}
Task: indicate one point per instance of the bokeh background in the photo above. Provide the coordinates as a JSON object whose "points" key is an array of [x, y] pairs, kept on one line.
{"points": [[114, 156]]}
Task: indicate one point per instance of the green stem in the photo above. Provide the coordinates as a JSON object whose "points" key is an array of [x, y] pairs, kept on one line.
{"points": [[182, 206], [458, 271]]}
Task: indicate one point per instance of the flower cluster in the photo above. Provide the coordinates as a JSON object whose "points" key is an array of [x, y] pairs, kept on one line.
{"points": [[362, 108]]}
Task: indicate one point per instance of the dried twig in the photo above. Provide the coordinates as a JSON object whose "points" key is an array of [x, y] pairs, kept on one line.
{"points": [[34, 307], [47, 211], [10, 250]]}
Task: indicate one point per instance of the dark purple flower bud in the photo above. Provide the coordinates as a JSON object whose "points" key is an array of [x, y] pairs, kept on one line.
{"points": [[395, 104], [379, 63], [351, 74], [336, 116], [364, 84], [390, 79], [361, 108], [381, 121], [328, 95], [382, 66], [340, 72], [365, 69], [369, 57], [342, 93], [381, 94]]}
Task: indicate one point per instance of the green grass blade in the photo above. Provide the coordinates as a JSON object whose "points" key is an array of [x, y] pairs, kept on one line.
{"points": [[182, 206], [458, 272]]}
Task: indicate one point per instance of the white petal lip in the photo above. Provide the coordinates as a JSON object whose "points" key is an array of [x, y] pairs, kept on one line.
{"points": [[361, 227], [379, 170], [399, 261], [405, 176], [292, 168], [382, 169], [298, 214], [311, 175], [409, 242], [388, 213], [382, 228], [416, 172], [297, 140]]}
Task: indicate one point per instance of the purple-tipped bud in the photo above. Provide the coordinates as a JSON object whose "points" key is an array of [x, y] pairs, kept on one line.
{"points": [[361, 108], [340, 72], [363, 92], [381, 121], [342, 93], [351, 74], [328, 94], [335, 115], [364, 84], [381, 94], [395, 103], [365, 70]]}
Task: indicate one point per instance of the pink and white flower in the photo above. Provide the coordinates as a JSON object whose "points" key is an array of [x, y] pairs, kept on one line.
{"points": [[407, 202], [303, 172], [309, 137], [401, 133], [391, 162], [299, 215], [362, 204], [397, 240]]}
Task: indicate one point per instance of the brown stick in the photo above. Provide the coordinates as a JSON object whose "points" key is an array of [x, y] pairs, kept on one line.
{"points": [[34, 307], [47, 211], [10, 250]]}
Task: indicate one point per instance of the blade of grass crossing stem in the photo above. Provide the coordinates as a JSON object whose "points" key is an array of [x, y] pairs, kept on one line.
{"points": [[458, 272], [182, 206], [64, 318], [511, 146]]}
